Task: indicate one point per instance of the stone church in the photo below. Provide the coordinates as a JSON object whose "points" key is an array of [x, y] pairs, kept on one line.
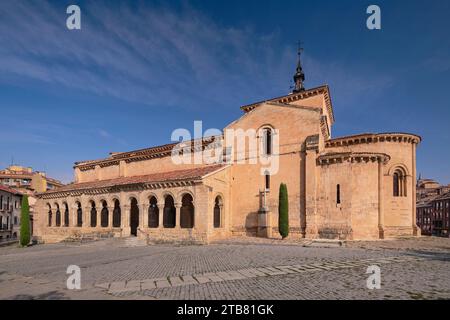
{"points": [[353, 187]]}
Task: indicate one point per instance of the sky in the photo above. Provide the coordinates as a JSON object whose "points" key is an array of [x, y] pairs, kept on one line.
{"points": [[137, 70]]}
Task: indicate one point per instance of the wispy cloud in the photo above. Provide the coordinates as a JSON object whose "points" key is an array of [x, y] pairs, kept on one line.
{"points": [[141, 54], [16, 137], [104, 133], [149, 55]]}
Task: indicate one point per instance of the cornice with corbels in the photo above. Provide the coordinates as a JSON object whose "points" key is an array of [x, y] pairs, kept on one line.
{"points": [[114, 189], [373, 138], [352, 157]]}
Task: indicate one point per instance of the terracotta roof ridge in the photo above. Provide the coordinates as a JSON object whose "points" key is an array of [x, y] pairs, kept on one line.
{"points": [[284, 96], [115, 156], [10, 190], [157, 177]]}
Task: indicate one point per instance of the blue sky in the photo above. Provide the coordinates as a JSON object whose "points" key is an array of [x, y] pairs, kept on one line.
{"points": [[137, 70]]}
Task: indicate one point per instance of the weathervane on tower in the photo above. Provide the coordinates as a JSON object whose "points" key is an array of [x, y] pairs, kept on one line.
{"points": [[299, 76]]}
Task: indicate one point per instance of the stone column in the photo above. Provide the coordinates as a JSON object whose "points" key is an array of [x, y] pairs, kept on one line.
{"points": [[87, 217], [125, 223], [160, 216], [74, 214], [53, 224], [177, 216], [99, 216], [222, 216], [110, 217]]}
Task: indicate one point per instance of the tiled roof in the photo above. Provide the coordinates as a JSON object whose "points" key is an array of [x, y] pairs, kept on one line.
{"points": [[443, 196], [144, 154], [176, 175], [9, 190], [427, 201]]}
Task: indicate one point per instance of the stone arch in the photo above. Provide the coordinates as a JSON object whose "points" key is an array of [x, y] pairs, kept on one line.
{"points": [[218, 211], [153, 212], [130, 196], [93, 212], [169, 214], [396, 166], [149, 195], [265, 135], [169, 193], [187, 211], [181, 193], [104, 214]]}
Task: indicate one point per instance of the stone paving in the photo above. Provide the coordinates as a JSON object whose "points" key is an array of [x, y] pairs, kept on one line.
{"points": [[233, 269]]}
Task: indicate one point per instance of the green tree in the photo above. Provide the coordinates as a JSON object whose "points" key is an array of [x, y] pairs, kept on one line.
{"points": [[283, 211], [25, 222]]}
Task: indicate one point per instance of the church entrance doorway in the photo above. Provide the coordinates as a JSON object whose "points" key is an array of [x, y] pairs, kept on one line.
{"points": [[134, 217]]}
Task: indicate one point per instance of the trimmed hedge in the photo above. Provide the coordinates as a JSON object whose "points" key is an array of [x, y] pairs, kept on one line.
{"points": [[25, 222], [283, 211]]}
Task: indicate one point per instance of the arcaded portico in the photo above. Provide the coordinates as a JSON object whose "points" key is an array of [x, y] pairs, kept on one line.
{"points": [[170, 209]]}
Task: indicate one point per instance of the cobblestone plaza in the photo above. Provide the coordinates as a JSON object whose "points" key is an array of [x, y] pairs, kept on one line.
{"points": [[233, 269]]}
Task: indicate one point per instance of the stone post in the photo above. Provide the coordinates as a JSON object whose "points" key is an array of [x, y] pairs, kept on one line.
{"points": [[177, 216], [264, 223], [143, 223], [87, 217], [160, 216], [74, 214], [126, 230], [110, 217], [222, 216], [99, 216]]}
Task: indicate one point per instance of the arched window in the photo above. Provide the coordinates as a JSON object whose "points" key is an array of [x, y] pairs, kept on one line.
{"points": [[79, 215], [267, 181], [66, 215], [218, 212], [116, 214], [187, 211], [93, 215], [338, 194], [58, 216], [267, 141], [153, 213], [49, 215], [399, 183], [169, 212], [104, 215]]}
